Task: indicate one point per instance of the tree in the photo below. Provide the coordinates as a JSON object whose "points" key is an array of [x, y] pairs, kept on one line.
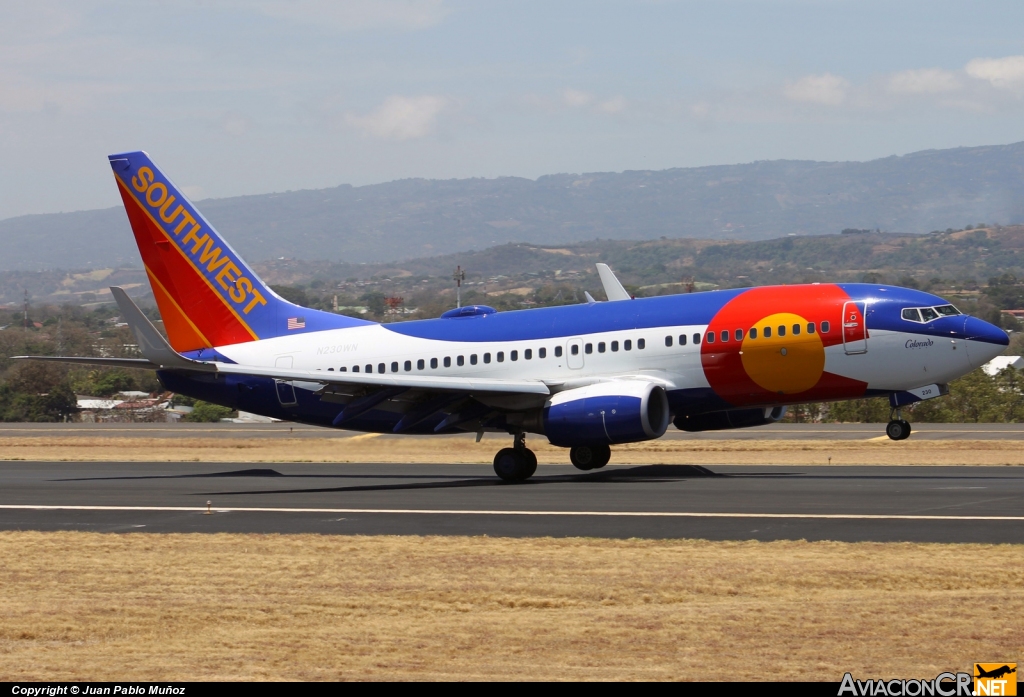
{"points": [[204, 412]]}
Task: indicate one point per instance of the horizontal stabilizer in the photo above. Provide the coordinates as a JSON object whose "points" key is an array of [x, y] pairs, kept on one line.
{"points": [[152, 344]]}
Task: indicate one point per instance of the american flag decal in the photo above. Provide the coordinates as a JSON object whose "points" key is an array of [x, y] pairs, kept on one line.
{"points": [[296, 323]]}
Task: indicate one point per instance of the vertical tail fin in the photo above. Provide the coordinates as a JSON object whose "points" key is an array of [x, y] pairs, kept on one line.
{"points": [[206, 294]]}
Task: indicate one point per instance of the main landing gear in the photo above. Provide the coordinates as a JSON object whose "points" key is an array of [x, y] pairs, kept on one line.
{"points": [[517, 463], [897, 428], [590, 457]]}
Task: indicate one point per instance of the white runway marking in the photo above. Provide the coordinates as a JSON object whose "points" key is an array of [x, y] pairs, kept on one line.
{"points": [[611, 514]]}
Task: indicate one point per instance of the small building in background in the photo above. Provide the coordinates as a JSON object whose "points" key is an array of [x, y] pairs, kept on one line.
{"points": [[1000, 363]]}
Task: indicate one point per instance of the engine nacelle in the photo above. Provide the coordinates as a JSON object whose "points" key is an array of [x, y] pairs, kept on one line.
{"points": [[605, 413], [734, 418]]}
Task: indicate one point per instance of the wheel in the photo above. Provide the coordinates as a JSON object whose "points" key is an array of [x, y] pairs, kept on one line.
{"points": [[590, 457], [898, 430], [514, 466]]}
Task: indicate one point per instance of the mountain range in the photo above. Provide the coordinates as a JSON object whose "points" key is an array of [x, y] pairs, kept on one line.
{"points": [[412, 218]]}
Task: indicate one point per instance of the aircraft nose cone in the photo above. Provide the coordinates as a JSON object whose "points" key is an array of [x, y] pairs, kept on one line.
{"points": [[984, 341]]}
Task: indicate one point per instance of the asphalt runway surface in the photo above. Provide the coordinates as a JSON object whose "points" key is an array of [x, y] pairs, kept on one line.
{"points": [[921, 504], [289, 430]]}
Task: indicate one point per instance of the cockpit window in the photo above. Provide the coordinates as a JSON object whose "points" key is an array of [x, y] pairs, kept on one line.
{"points": [[927, 314]]}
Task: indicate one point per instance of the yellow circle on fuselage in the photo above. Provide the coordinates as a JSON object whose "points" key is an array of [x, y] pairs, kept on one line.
{"points": [[783, 364]]}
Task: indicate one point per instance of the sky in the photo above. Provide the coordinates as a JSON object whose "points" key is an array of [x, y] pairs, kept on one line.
{"points": [[236, 97]]}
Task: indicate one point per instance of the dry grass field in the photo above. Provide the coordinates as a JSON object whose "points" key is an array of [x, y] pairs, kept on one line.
{"points": [[85, 606], [455, 450]]}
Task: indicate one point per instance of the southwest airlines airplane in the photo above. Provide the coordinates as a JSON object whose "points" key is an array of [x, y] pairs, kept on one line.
{"points": [[586, 376]]}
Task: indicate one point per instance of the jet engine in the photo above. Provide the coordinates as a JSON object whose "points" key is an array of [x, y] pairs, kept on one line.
{"points": [[605, 413], [733, 418]]}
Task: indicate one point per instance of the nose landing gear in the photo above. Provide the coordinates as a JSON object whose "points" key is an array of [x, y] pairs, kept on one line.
{"points": [[897, 428], [517, 463]]}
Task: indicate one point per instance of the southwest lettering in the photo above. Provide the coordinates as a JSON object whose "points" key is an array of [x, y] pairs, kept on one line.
{"points": [[211, 254], [143, 179], [225, 274], [185, 220], [202, 247], [256, 298], [241, 289], [199, 240], [163, 194], [173, 216]]}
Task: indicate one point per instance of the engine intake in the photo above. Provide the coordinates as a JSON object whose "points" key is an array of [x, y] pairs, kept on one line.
{"points": [[734, 418], [624, 411]]}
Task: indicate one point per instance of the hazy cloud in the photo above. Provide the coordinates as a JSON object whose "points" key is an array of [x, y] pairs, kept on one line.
{"points": [[1005, 73], [826, 89], [354, 14], [925, 81], [613, 105], [576, 98], [401, 118]]}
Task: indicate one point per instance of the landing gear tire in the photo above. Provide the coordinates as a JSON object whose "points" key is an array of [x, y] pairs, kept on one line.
{"points": [[515, 464], [898, 429], [590, 457]]}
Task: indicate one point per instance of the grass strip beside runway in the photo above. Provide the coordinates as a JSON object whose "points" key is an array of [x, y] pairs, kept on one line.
{"points": [[81, 606], [463, 450]]}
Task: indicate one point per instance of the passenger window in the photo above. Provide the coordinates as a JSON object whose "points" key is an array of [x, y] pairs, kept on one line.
{"points": [[696, 339], [711, 338], [369, 368], [472, 359], [501, 356], [824, 327], [767, 332], [331, 369], [528, 354], [615, 346], [394, 367], [627, 345], [433, 362], [739, 334], [911, 314], [487, 358], [725, 335], [682, 339], [589, 348], [381, 368], [513, 355], [668, 341], [782, 330], [641, 344], [600, 347], [448, 362], [928, 314], [420, 365], [343, 369], [408, 366], [355, 369], [558, 352], [461, 360], [796, 330], [575, 350], [752, 333], [810, 327]]}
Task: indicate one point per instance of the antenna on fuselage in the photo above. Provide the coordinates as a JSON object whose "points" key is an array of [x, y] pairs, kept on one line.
{"points": [[459, 276]]}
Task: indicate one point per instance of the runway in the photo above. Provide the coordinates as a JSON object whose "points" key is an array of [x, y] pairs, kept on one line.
{"points": [[920, 504]]}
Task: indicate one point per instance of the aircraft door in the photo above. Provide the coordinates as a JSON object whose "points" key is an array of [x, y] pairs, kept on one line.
{"points": [[574, 353], [285, 389], [855, 330]]}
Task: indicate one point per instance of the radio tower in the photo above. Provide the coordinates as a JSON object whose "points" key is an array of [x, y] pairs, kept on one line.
{"points": [[459, 276], [25, 311]]}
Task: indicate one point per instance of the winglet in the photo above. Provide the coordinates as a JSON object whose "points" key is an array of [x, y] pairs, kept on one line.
{"points": [[152, 344], [612, 288]]}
